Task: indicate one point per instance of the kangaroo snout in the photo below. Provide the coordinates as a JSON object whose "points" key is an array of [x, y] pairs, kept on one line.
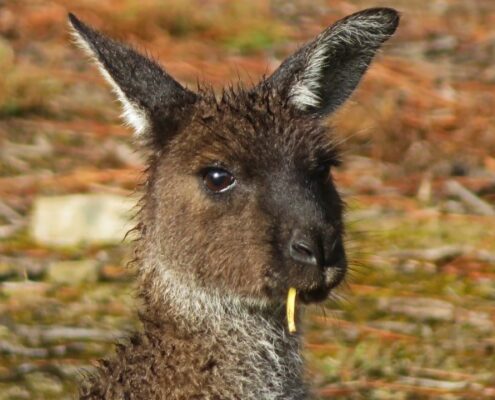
{"points": [[316, 249]]}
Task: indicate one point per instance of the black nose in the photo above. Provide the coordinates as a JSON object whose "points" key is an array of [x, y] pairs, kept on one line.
{"points": [[305, 249]]}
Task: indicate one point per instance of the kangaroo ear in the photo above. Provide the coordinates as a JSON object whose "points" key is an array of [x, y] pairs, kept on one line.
{"points": [[320, 76], [152, 100]]}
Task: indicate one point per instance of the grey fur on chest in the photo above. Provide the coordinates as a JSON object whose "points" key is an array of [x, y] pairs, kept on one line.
{"points": [[260, 363], [248, 359], [246, 352]]}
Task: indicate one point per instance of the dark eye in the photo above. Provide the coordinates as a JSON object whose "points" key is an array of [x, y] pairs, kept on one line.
{"points": [[322, 171], [218, 180]]}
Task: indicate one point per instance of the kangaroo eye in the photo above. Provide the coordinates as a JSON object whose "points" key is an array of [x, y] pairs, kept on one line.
{"points": [[218, 180], [322, 171]]}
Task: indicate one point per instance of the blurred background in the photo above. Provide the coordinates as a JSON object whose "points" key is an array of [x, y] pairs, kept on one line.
{"points": [[417, 317]]}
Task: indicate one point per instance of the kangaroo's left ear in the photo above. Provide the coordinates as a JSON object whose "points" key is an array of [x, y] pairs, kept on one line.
{"points": [[322, 75], [154, 103]]}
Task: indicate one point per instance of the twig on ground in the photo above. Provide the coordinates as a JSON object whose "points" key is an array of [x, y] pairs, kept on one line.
{"points": [[9, 230], [384, 334], [469, 199], [437, 255], [67, 333], [76, 180], [16, 221], [9, 213], [442, 254], [426, 387]]}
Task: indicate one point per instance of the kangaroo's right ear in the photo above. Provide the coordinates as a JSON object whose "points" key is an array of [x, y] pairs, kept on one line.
{"points": [[153, 102]]}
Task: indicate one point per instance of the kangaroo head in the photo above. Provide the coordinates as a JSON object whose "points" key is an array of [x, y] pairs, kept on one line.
{"points": [[240, 200]]}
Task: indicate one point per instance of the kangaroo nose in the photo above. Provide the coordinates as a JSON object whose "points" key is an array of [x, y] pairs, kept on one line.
{"points": [[305, 250]]}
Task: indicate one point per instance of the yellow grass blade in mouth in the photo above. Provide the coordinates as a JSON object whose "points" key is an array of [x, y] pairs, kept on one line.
{"points": [[291, 309]]}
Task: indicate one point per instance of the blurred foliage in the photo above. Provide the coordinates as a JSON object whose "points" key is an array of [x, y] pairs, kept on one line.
{"points": [[23, 90]]}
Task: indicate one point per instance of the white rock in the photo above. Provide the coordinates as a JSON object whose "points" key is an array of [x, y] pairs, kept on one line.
{"points": [[81, 219]]}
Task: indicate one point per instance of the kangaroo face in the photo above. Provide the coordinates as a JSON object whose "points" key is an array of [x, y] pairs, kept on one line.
{"points": [[240, 198], [244, 201]]}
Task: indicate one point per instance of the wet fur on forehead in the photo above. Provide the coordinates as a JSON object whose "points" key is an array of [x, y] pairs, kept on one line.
{"points": [[252, 127]]}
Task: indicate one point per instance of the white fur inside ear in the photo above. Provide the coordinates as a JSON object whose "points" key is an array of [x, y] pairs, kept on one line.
{"points": [[132, 114], [304, 93], [364, 34]]}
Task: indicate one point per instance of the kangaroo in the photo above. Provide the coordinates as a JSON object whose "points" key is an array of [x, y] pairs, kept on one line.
{"points": [[239, 208]]}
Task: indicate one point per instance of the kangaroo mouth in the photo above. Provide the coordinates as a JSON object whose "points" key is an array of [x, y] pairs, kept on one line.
{"points": [[330, 278], [314, 284]]}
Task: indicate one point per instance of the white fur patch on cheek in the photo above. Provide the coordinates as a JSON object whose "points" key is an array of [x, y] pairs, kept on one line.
{"points": [[132, 114]]}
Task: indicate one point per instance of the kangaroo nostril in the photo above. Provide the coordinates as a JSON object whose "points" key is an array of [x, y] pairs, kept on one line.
{"points": [[304, 250]]}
